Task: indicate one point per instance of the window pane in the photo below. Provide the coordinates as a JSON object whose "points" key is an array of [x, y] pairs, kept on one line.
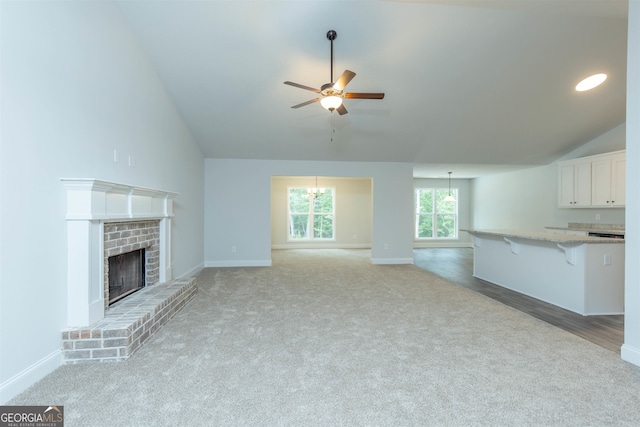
{"points": [[446, 225], [424, 226], [424, 201], [323, 226], [311, 217], [324, 203], [298, 200], [299, 226], [436, 218]]}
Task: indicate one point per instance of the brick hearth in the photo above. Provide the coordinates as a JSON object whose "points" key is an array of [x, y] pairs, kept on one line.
{"points": [[127, 324]]}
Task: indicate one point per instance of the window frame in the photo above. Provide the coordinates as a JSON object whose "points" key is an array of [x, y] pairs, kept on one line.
{"points": [[434, 213], [312, 215]]}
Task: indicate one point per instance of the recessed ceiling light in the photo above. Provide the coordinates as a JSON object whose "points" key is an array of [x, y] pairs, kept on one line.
{"points": [[591, 82]]}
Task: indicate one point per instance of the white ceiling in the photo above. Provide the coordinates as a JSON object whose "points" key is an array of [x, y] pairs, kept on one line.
{"points": [[471, 85]]}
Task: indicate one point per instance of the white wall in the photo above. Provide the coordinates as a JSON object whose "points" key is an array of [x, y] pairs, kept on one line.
{"points": [[528, 199], [76, 88], [464, 211], [238, 207], [353, 209]]}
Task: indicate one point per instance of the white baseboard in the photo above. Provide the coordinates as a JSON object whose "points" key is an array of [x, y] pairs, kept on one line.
{"points": [[25, 379], [391, 261], [630, 354], [238, 263], [193, 272]]}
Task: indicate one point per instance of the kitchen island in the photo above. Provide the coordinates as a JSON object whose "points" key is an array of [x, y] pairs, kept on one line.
{"points": [[583, 274]]}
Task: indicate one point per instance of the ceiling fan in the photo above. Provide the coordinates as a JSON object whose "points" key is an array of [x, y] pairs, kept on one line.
{"points": [[333, 93]]}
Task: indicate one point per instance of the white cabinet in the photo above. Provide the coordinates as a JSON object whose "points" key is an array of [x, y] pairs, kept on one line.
{"points": [[608, 181], [619, 187], [592, 182], [574, 185]]}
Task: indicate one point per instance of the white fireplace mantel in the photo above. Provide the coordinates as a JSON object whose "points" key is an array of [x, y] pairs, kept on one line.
{"points": [[91, 203]]}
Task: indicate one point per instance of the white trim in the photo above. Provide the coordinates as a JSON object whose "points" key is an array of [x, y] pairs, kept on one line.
{"points": [[29, 376], [630, 354], [238, 263], [391, 261]]}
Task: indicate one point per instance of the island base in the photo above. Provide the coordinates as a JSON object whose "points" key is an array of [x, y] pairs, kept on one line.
{"points": [[587, 279]]}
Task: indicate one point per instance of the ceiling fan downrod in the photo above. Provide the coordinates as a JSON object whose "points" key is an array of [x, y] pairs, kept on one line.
{"points": [[331, 35]]}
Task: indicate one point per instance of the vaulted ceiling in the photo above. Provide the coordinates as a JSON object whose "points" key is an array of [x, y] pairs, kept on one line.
{"points": [[475, 85]]}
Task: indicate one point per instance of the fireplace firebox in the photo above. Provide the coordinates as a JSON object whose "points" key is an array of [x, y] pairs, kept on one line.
{"points": [[126, 274]]}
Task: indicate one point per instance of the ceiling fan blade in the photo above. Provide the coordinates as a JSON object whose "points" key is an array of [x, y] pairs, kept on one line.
{"points": [[344, 80], [341, 109], [302, 86], [306, 103], [362, 95]]}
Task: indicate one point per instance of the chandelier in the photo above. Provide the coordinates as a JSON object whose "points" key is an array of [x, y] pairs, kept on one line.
{"points": [[315, 191]]}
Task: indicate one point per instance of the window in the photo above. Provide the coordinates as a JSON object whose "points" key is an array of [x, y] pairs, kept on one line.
{"points": [[436, 218], [311, 217]]}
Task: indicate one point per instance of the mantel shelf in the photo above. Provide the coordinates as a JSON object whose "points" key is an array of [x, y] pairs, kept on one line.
{"points": [[92, 199]]}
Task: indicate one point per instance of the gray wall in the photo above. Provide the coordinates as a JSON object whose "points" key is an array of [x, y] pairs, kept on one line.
{"points": [[238, 207], [74, 91], [528, 199]]}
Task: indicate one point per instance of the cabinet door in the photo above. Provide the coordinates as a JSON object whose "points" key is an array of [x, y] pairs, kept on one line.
{"points": [[565, 186], [618, 181], [582, 185], [601, 183]]}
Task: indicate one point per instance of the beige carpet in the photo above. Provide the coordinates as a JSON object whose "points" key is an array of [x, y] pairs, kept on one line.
{"points": [[324, 338]]}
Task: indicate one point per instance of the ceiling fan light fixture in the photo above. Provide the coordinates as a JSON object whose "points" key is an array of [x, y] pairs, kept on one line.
{"points": [[331, 102], [591, 82]]}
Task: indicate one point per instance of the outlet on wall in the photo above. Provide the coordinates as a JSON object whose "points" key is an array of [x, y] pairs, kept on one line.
{"points": [[233, 249], [597, 217]]}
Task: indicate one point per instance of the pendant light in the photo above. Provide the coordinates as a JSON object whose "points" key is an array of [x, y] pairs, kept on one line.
{"points": [[449, 198]]}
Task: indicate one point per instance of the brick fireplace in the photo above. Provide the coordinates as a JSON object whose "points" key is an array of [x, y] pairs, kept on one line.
{"points": [[122, 238], [106, 219]]}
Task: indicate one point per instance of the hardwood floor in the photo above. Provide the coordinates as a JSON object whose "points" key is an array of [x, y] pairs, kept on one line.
{"points": [[456, 265]]}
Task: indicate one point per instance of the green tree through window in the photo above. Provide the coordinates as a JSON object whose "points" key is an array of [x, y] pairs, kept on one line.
{"points": [[309, 217], [435, 218]]}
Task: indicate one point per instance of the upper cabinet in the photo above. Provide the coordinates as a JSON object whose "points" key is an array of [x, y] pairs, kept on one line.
{"points": [[608, 181], [574, 187], [592, 182]]}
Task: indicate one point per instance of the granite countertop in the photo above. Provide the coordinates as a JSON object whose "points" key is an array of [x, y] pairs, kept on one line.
{"points": [[548, 237], [599, 228]]}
